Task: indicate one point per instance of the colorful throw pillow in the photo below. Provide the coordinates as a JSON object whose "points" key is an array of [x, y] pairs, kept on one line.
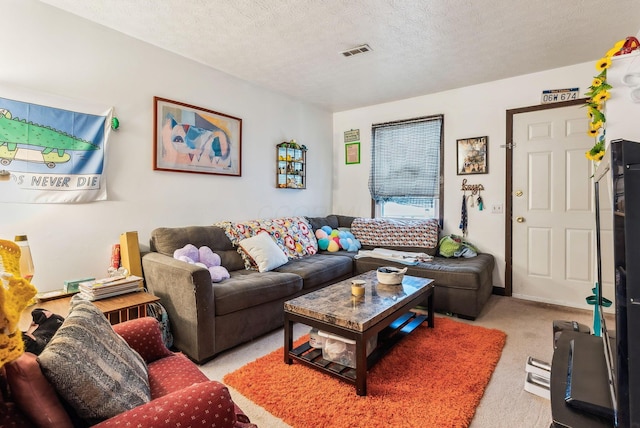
{"points": [[292, 234], [92, 368], [264, 251], [333, 240]]}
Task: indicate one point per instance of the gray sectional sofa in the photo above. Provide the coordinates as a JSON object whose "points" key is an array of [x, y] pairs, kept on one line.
{"points": [[463, 285], [207, 318]]}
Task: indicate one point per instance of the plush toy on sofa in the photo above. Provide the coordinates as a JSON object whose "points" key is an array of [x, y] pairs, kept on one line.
{"points": [[348, 241], [326, 241], [203, 257], [334, 240]]}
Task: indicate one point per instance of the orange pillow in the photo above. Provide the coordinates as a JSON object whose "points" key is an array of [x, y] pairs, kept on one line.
{"points": [[33, 393]]}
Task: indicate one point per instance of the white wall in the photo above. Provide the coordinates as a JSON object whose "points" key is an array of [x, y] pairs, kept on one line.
{"points": [[622, 111], [50, 51], [472, 111]]}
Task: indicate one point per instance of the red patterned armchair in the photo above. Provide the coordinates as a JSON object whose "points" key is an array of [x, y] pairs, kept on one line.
{"points": [[181, 395]]}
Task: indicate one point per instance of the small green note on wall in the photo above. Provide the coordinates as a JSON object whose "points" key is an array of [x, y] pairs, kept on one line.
{"points": [[352, 153]]}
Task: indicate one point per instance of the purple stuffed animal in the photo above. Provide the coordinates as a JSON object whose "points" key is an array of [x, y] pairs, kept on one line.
{"points": [[203, 257]]}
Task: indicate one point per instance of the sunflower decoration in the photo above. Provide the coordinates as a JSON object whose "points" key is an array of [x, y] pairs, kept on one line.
{"points": [[597, 151], [598, 94]]}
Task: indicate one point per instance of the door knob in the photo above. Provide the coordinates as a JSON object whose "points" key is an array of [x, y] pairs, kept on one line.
{"points": [[519, 193], [520, 219]]}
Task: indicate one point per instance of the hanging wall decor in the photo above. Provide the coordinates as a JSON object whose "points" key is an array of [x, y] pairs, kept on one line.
{"points": [[352, 153], [472, 156], [52, 149], [194, 139]]}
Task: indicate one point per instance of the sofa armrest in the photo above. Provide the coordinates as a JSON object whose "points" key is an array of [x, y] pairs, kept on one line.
{"points": [[144, 336], [208, 403], [186, 292]]}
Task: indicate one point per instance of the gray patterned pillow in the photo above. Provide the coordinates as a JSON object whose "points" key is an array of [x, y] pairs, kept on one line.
{"points": [[92, 367]]}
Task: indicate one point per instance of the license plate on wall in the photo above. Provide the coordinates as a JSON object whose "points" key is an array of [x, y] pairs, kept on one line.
{"points": [[559, 95]]}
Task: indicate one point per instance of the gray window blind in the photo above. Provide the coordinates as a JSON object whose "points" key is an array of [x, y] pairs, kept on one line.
{"points": [[405, 161]]}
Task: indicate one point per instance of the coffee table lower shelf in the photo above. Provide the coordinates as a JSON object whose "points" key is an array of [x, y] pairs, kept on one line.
{"points": [[387, 339]]}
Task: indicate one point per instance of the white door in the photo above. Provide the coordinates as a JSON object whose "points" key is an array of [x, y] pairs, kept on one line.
{"points": [[552, 207]]}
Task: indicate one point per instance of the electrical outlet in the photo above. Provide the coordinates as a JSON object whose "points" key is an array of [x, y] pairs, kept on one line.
{"points": [[497, 209]]}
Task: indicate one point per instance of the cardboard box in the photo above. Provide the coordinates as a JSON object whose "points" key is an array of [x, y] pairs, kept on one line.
{"points": [[130, 253]]}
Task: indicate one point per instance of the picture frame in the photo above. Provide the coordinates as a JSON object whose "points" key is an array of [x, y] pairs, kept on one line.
{"points": [[472, 155], [192, 139], [352, 153]]}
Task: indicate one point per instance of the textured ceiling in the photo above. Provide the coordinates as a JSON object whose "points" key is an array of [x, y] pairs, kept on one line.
{"points": [[418, 46]]}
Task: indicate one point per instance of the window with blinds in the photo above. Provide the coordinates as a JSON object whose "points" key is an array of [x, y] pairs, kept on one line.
{"points": [[406, 168]]}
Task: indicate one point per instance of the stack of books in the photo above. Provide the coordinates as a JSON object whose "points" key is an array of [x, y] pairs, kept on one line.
{"points": [[108, 287]]}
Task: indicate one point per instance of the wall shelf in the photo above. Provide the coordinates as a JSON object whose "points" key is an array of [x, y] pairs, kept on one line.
{"points": [[291, 168]]}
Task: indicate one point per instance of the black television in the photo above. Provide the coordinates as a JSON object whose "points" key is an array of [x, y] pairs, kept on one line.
{"points": [[608, 337], [619, 174]]}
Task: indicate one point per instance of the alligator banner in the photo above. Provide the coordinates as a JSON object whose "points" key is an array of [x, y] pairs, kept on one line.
{"points": [[52, 150]]}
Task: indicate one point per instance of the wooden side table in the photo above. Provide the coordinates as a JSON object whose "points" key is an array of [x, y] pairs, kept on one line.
{"points": [[117, 309]]}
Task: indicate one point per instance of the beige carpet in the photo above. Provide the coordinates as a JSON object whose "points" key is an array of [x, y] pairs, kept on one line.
{"points": [[505, 403]]}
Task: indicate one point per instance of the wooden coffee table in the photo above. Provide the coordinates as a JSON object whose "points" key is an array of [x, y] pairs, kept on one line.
{"points": [[384, 310]]}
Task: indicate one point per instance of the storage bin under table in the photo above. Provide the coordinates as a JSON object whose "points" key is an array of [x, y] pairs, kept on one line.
{"points": [[346, 355], [384, 311]]}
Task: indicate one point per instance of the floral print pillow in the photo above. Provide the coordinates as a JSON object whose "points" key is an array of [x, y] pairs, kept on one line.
{"points": [[292, 234]]}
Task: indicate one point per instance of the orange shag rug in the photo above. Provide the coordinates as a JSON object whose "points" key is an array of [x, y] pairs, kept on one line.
{"points": [[431, 378]]}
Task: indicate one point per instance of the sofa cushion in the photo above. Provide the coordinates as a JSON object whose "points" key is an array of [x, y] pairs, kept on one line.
{"points": [[248, 288], [332, 220], [319, 269], [93, 368], [264, 252], [33, 393], [173, 373], [144, 335], [205, 404], [292, 234], [463, 273], [317, 222], [165, 240]]}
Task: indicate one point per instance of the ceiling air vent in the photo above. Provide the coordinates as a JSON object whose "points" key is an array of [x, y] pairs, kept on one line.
{"points": [[356, 50]]}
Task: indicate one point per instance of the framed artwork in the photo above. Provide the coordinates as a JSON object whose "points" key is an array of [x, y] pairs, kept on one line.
{"points": [[193, 139], [352, 153], [472, 156]]}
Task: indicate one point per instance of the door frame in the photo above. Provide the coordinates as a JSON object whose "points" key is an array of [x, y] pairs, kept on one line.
{"points": [[508, 223]]}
